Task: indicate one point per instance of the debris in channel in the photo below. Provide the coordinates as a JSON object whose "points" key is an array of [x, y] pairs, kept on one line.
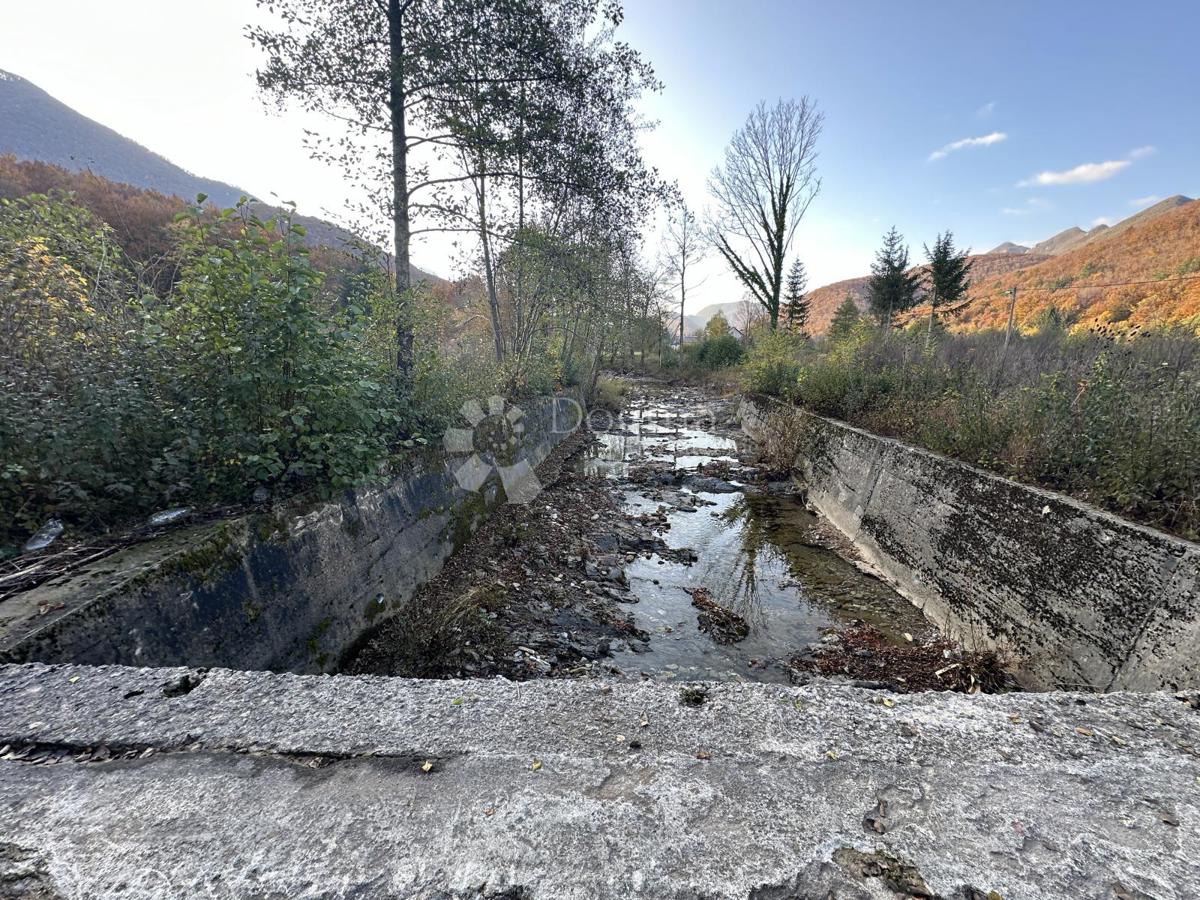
{"points": [[864, 654], [721, 624]]}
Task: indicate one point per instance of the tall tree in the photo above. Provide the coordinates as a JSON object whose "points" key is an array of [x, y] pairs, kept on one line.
{"points": [[430, 96], [364, 64], [845, 319], [684, 249], [892, 288], [762, 191], [542, 134], [949, 275], [796, 304]]}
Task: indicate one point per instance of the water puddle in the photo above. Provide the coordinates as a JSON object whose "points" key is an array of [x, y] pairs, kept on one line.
{"points": [[757, 552]]}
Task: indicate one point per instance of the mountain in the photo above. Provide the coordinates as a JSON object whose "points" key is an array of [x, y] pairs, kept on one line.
{"points": [[1121, 252], [1009, 247], [731, 311], [824, 301], [38, 127], [1150, 212], [693, 323], [1061, 242], [35, 126], [1142, 272], [1073, 238]]}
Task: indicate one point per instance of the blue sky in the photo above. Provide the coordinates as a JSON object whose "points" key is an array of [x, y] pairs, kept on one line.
{"points": [[1067, 84]]}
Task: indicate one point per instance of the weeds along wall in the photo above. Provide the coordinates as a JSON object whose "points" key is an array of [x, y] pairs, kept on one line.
{"points": [[1080, 597], [288, 590]]}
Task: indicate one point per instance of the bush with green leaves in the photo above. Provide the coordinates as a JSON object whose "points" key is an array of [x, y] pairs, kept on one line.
{"points": [[75, 415], [251, 371], [773, 364], [261, 385], [712, 353]]}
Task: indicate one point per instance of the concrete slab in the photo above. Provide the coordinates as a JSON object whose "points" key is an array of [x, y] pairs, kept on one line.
{"points": [[264, 785]]}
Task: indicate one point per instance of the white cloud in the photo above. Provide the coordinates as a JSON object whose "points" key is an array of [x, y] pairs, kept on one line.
{"points": [[1032, 205], [1148, 200], [1090, 172], [1082, 174], [1103, 220], [985, 141], [986, 110]]}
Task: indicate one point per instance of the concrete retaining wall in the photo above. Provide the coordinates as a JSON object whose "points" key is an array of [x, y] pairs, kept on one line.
{"points": [[290, 589], [1082, 597]]}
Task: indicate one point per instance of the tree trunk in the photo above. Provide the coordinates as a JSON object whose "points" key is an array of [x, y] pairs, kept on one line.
{"points": [[489, 270], [400, 225], [929, 330], [682, 300]]}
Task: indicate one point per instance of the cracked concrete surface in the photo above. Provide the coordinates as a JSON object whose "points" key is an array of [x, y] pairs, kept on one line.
{"points": [[282, 786]]}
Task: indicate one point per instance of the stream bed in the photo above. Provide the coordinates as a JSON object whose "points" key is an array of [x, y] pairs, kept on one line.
{"points": [[679, 461], [660, 545]]}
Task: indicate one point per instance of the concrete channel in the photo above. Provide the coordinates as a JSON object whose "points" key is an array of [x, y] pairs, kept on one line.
{"points": [[155, 743]]}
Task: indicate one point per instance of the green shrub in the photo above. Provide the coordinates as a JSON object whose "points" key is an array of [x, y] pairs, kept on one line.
{"points": [[77, 422], [773, 365], [116, 403], [263, 386], [713, 353]]}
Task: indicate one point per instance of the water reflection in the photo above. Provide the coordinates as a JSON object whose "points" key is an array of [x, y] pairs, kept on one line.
{"points": [[760, 555]]}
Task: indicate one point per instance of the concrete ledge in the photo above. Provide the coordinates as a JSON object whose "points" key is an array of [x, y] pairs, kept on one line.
{"points": [[290, 589], [1083, 598], [261, 785]]}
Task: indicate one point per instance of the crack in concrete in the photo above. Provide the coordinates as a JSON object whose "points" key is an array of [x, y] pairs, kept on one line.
{"points": [[54, 752]]}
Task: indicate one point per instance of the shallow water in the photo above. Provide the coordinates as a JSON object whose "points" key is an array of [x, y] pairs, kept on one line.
{"points": [[760, 555]]}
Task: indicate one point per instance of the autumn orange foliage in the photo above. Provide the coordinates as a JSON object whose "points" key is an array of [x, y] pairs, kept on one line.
{"points": [[1161, 257], [139, 218], [1089, 286]]}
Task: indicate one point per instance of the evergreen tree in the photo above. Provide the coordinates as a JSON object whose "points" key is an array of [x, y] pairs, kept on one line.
{"points": [[949, 274], [892, 288], [796, 305], [845, 320], [1052, 321]]}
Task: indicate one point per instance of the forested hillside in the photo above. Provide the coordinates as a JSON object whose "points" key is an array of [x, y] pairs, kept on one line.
{"points": [[139, 216], [825, 300], [39, 127], [1144, 271], [1146, 275]]}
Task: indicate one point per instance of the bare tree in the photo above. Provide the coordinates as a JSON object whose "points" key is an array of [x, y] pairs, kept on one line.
{"points": [[762, 191], [749, 314], [684, 249]]}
